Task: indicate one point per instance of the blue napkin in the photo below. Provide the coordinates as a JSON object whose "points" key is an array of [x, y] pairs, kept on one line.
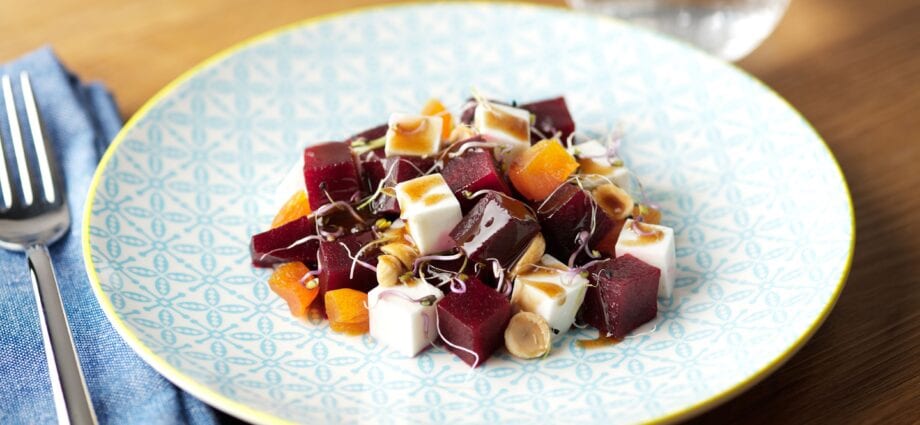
{"points": [[80, 120]]}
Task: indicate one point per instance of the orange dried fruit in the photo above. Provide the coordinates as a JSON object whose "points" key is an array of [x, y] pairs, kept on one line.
{"points": [[297, 206], [539, 170], [286, 282], [434, 107], [347, 311]]}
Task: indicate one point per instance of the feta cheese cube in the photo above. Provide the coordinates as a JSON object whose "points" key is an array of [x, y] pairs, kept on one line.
{"points": [[290, 183], [551, 291], [506, 125], [653, 244], [403, 325], [430, 210], [413, 135], [591, 159]]}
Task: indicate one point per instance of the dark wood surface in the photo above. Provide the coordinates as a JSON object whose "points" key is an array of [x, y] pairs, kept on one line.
{"points": [[852, 67]]}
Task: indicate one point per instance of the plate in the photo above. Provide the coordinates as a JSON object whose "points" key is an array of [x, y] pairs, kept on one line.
{"points": [[760, 209]]}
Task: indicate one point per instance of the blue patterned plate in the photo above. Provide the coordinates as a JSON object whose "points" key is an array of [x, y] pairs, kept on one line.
{"points": [[760, 209]]}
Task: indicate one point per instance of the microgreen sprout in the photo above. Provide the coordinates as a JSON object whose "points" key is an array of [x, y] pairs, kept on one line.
{"points": [[310, 279], [502, 286], [382, 185], [362, 145], [322, 187], [475, 145], [426, 301], [382, 224], [457, 285], [428, 258], [355, 260], [296, 243], [331, 236], [636, 226], [334, 206]]}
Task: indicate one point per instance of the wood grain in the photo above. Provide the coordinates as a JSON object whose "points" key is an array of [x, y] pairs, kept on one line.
{"points": [[852, 67]]}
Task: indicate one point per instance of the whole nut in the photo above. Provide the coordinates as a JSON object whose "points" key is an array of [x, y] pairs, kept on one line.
{"points": [[460, 132], [527, 336], [388, 270], [531, 255], [401, 250], [614, 201]]}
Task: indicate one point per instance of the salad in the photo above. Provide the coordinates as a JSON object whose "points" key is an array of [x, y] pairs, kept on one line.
{"points": [[502, 228]]}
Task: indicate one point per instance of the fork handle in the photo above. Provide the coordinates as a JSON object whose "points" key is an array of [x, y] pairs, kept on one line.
{"points": [[71, 398]]}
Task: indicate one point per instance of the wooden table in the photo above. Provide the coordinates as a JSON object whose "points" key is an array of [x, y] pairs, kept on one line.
{"points": [[852, 67]]}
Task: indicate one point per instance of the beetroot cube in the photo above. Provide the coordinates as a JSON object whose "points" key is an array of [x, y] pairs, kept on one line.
{"points": [[567, 212], [335, 263], [271, 247], [372, 133], [498, 227], [473, 171], [370, 165], [622, 295], [475, 320], [329, 171], [550, 116]]}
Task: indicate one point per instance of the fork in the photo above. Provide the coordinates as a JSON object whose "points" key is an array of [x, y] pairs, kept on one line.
{"points": [[30, 220]]}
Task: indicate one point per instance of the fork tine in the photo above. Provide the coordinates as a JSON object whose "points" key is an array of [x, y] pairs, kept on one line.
{"points": [[5, 186], [23, 165], [38, 138]]}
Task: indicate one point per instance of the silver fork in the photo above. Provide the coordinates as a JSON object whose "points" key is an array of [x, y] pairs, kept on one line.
{"points": [[30, 220]]}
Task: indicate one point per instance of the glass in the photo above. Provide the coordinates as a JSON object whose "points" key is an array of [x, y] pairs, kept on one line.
{"points": [[729, 29]]}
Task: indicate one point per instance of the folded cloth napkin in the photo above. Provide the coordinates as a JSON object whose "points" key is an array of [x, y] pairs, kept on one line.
{"points": [[80, 121]]}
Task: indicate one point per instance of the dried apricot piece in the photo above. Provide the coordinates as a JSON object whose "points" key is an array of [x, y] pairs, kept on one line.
{"points": [[539, 170], [434, 107], [297, 206], [347, 311], [286, 282]]}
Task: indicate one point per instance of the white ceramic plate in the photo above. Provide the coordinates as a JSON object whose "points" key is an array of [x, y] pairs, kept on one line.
{"points": [[760, 209]]}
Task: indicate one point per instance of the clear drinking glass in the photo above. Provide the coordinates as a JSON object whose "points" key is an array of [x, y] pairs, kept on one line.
{"points": [[729, 29]]}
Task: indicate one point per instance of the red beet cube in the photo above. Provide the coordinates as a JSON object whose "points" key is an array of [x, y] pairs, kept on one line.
{"points": [[329, 171], [566, 213], [473, 171], [622, 295], [370, 166], [498, 227], [550, 116], [271, 247], [335, 263], [474, 320], [372, 133]]}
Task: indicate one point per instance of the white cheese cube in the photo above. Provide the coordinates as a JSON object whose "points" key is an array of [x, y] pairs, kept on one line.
{"points": [[552, 291], [506, 125], [653, 244], [413, 135], [403, 325], [592, 160], [290, 184], [430, 210]]}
